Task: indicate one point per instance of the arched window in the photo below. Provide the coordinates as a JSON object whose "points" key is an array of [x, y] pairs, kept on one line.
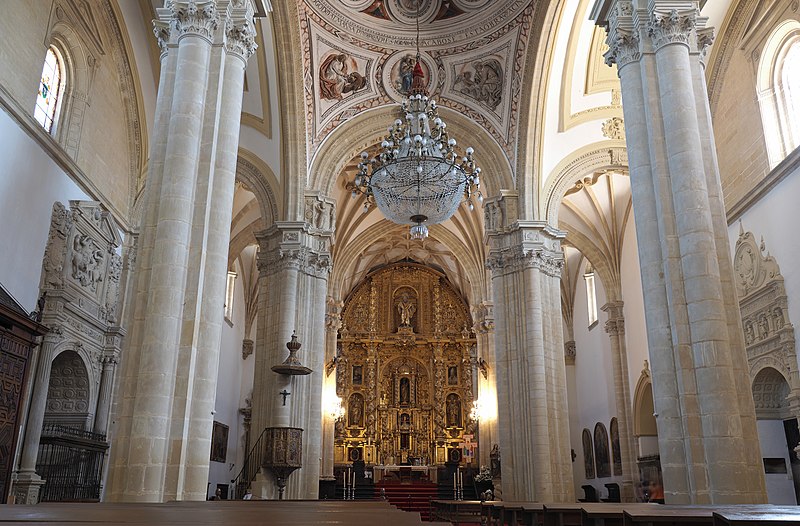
{"points": [[51, 87], [779, 91]]}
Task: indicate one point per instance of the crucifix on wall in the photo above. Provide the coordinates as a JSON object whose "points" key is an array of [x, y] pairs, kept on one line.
{"points": [[284, 394], [469, 447]]}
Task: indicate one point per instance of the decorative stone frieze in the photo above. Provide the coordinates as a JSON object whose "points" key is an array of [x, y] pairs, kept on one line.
{"points": [[195, 18], [320, 213], [240, 38], [672, 28]]}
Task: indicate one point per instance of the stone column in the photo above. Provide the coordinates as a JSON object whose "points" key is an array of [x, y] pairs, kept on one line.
{"points": [[700, 383], [295, 258], [615, 328], [105, 395], [333, 322], [217, 211], [525, 259], [170, 365], [486, 380], [28, 483]]}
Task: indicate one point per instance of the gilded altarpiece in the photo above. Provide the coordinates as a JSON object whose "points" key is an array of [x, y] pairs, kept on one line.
{"points": [[405, 369]]}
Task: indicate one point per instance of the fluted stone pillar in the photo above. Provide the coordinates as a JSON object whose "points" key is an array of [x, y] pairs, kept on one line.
{"points": [[708, 439], [169, 368], [294, 257], [615, 328], [526, 261]]}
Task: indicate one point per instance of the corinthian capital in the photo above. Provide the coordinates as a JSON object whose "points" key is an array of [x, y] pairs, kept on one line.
{"points": [[623, 49], [240, 38], [161, 30], [196, 18], [673, 28]]}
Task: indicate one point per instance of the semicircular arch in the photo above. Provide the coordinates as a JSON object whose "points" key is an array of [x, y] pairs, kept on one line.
{"points": [[605, 155]]}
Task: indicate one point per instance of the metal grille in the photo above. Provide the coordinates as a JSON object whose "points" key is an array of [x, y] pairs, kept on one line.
{"points": [[71, 463]]}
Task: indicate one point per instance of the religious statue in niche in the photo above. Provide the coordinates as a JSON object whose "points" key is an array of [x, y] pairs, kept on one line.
{"points": [[404, 75], [453, 405], [405, 391], [338, 76], [356, 411], [452, 375], [406, 307], [483, 81], [357, 374]]}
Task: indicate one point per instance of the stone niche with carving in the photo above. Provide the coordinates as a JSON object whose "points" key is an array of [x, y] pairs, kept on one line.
{"points": [[768, 334], [79, 301], [406, 368]]}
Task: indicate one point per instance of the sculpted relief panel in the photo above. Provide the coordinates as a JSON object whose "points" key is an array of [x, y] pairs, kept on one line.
{"points": [[405, 368], [769, 336]]}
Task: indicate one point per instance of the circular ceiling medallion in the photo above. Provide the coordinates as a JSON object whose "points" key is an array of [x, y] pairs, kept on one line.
{"points": [[398, 69]]}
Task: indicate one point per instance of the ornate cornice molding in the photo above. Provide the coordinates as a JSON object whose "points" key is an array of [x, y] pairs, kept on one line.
{"points": [[162, 31], [672, 28], [195, 18], [291, 246], [517, 258]]}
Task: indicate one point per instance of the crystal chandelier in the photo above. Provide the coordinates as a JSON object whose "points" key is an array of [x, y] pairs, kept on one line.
{"points": [[418, 177]]}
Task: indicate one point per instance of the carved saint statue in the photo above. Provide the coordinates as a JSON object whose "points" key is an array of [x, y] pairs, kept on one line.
{"points": [[453, 411], [406, 308], [356, 410], [405, 391]]}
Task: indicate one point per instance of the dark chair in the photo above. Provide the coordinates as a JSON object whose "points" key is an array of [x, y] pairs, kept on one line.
{"points": [[613, 492], [589, 494]]}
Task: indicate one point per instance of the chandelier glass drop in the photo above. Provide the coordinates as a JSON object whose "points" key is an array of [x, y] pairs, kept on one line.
{"points": [[418, 177]]}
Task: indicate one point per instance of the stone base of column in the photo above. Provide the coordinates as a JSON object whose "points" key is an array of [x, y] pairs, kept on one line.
{"points": [[26, 487], [626, 492]]}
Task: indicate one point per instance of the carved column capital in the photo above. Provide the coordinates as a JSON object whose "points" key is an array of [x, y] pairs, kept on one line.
{"points": [[162, 30], [240, 38], [293, 246], [622, 49], [527, 244], [569, 352], [671, 28], [195, 18]]}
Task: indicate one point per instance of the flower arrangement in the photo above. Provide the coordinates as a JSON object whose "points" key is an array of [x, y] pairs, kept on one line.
{"points": [[484, 474]]}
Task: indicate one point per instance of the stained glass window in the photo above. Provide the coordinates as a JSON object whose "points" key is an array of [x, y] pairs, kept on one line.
{"points": [[47, 100]]}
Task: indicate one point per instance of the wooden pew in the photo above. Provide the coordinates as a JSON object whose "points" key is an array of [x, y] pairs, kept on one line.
{"points": [[303, 513], [461, 511], [742, 517], [563, 514], [610, 513]]}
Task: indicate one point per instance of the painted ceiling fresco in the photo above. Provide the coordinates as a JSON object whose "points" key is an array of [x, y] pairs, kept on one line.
{"points": [[359, 54]]}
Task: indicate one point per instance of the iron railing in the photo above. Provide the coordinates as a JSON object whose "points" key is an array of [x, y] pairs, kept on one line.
{"points": [[71, 463], [250, 468]]}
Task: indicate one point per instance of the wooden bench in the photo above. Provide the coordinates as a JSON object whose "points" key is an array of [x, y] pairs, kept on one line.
{"points": [[742, 517], [461, 511], [295, 513], [610, 514], [563, 514]]}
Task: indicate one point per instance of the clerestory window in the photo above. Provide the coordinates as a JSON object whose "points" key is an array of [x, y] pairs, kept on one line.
{"points": [[51, 88], [779, 91]]}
